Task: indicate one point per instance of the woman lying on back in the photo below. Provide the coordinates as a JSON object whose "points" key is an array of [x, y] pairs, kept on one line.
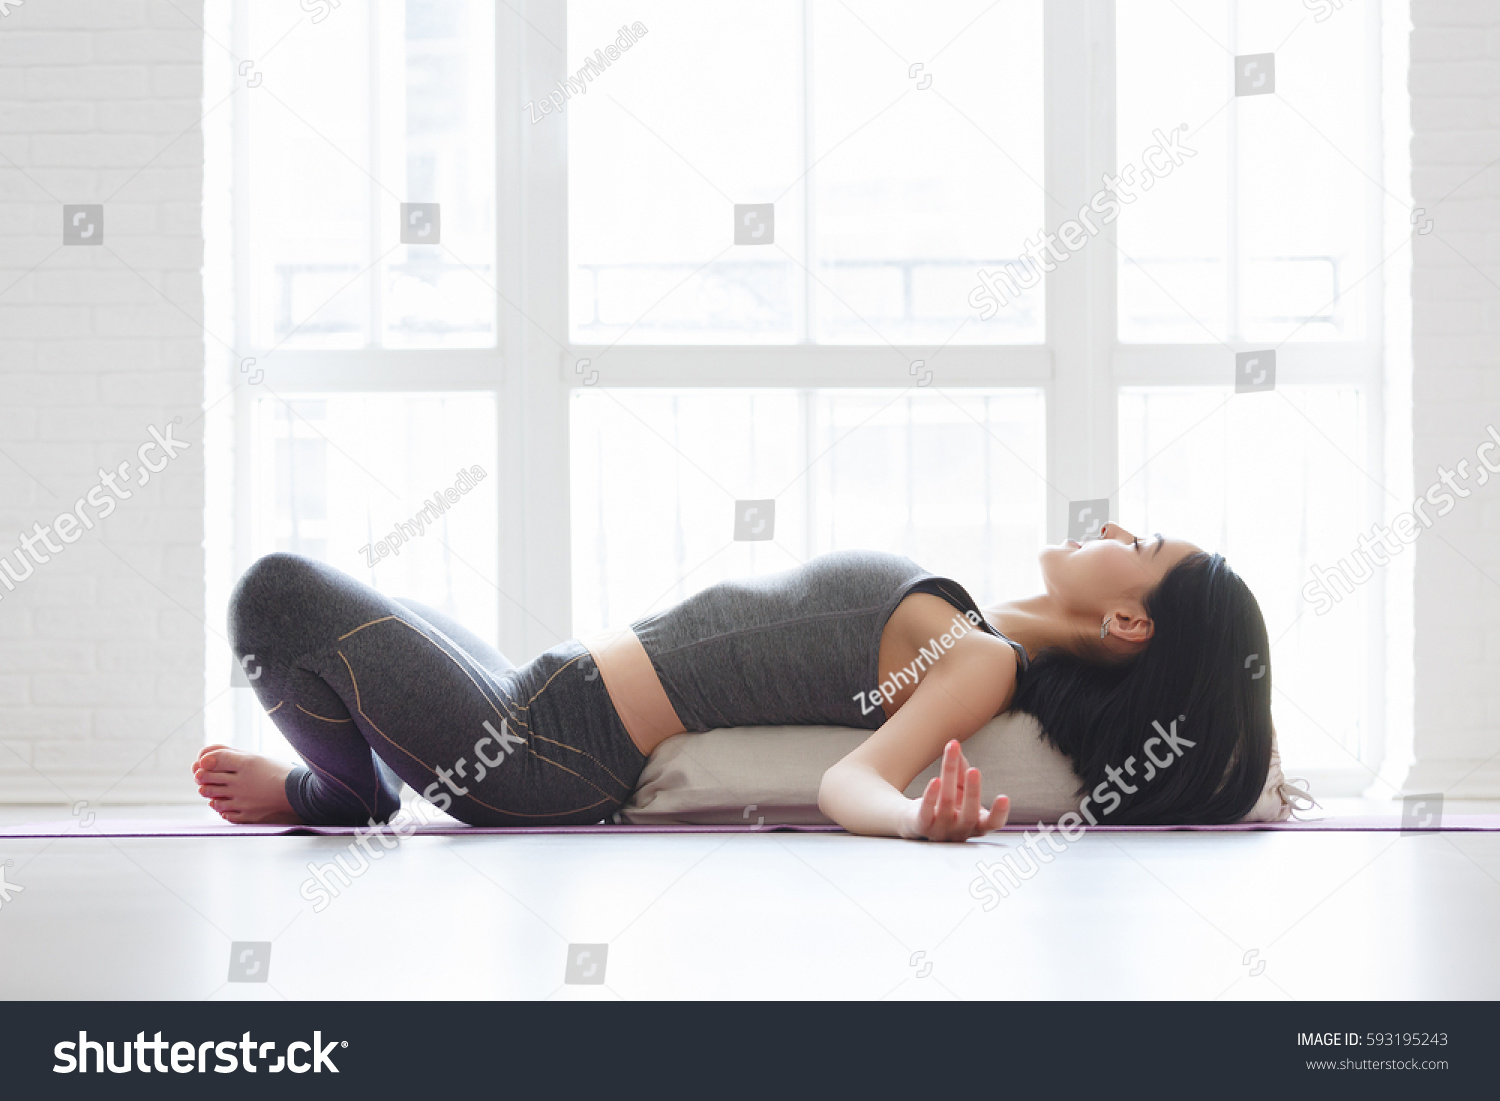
{"points": [[1128, 636]]}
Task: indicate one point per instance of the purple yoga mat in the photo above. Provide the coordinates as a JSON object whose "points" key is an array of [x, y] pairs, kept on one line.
{"points": [[175, 827]]}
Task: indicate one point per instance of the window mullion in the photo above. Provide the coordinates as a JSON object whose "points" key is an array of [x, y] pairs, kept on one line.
{"points": [[1081, 407], [809, 213]]}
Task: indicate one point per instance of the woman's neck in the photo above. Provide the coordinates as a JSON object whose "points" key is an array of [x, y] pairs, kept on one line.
{"points": [[1037, 622]]}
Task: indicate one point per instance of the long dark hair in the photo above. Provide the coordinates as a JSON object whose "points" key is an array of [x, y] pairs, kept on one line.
{"points": [[1207, 668]]}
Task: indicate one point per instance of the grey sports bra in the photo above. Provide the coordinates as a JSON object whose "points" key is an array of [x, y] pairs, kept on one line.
{"points": [[800, 647]]}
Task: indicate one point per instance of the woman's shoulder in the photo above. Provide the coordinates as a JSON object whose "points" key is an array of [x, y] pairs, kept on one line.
{"points": [[855, 559], [881, 570]]}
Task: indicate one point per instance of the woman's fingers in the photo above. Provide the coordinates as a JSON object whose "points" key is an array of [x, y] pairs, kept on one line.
{"points": [[969, 817], [997, 815], [952, 818], [950, 807], [951, 757]]}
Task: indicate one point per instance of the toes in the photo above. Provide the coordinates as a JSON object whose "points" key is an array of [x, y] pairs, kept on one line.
{"points": [[224, 759]]}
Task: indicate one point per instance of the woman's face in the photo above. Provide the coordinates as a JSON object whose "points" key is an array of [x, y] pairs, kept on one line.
{"points": [[1112, 573]]}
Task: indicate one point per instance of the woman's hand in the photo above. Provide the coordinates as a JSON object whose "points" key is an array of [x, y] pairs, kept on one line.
{"points": [[949, 809]]}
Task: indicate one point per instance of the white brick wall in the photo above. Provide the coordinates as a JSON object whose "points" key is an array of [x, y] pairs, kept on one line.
{"points": [[1455, 88], [102, 648]]}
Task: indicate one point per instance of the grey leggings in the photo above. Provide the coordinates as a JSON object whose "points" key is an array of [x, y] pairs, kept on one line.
{"points": [[371, 691]]}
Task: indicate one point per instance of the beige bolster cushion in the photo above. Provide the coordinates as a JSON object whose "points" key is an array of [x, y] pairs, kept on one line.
{"points": [[768, 775]]}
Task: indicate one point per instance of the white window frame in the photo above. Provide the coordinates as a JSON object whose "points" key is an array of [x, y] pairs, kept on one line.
{"points": [[531, 369]]}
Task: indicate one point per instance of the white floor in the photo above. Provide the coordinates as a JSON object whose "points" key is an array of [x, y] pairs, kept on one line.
{"points": [[1172, 915]]}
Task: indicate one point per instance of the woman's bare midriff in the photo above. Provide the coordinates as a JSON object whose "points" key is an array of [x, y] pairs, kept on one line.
{"points": [[648, 715], [634, 688]]}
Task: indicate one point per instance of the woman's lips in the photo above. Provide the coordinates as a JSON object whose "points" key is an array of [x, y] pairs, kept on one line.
{"points": [[1075, 544]]}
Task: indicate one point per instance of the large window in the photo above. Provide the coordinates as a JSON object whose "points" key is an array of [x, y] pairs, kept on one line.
{"points": [[378, 105], [887, 183], [1263, 233], [914, 277]]}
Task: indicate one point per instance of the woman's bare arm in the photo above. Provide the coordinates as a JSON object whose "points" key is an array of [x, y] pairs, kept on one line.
{"points": [[971, 684]]}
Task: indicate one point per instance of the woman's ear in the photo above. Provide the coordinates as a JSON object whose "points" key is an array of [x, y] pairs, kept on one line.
{"points": [[1131, 628]]}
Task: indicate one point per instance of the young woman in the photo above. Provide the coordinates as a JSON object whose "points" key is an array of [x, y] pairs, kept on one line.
{"points": [[1129, 633]]}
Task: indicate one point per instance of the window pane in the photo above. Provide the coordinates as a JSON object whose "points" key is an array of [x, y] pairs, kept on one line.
{"points": [[918, 177], [352, 479], [1251, 478], [1260, 235], [684, 124], [381, 104], [922, 186], [949, 480]]}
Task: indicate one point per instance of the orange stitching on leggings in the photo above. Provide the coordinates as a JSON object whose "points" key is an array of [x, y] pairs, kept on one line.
{"points": [[358, 704], [325, 719], [575, 749], [570, 772], [532, 734], [581, 753], [527, 705], [404, 623], [372, 623], [510, 703], [431, 642], [276, 708], [514, 813], [552, 678]]}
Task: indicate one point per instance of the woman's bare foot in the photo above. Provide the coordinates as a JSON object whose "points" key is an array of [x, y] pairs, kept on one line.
{"points": [[244, 788]]}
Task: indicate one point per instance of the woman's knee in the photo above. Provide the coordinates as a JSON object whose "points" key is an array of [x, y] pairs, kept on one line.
{"points": [[273, 589]]}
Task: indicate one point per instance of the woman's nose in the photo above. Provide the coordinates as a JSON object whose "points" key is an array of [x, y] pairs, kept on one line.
{"points": [[1115, 532]]}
